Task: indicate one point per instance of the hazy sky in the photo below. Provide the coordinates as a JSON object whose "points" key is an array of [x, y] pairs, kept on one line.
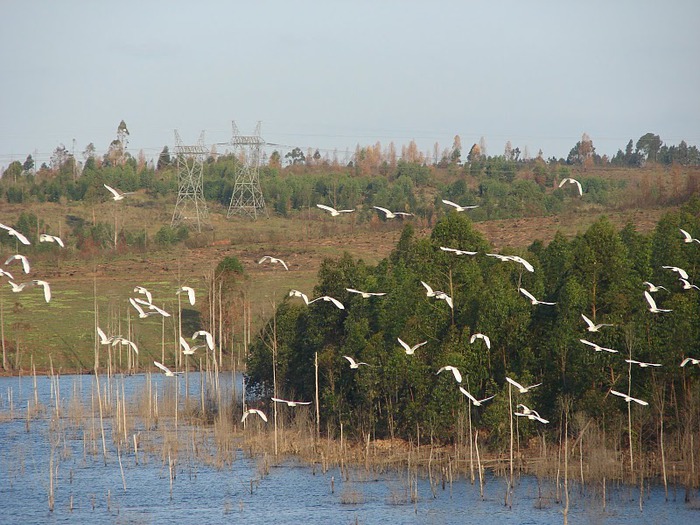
{"points": [[331, 75]]}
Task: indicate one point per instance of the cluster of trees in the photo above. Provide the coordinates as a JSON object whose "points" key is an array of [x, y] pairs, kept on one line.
{"points": [[599, 273]]}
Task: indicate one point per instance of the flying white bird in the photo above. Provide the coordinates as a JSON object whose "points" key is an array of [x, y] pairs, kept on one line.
{"points": [[410, 349], [297, 293], [455, 372], [679, 271], [652, 304], [45, 237], [456, 251], [530, 414], [353, 363], [104, 340], [687, 237], [189, 291], [273, 260], [391, 214], [207, 336], [532, 297], [522, 261], [46, 286], [437, 294], [457, 207], [142, 313], [690, 360], [144, 291], [522, 389], [641, 363], [572, 181], [17, 287], [598, 348], [290, 403], [366, 295], [476, 402], [6, 274], [592, 327], [653, 288], [21, 238], [186, 348], [486, 339], [328, 298], [333, 211], [628, 398], [166, 370], [254, 411], [125, 342], [687, 285], [116, 194], [18, 257]]}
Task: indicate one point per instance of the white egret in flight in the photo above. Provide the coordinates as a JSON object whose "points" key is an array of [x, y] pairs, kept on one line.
{"points": [[45, 237], [641, 364], [273, 260], [18, 257], [592, 327], [116, 194], [166, 370], [476, 402], [679, 271], [486, 339], [328, 298], [354, 364], [572, 181], [290, 403], [598, 348], [297, 293], [207, 336], [333, 211], [365, 295], [21, 238], [456, 251], [189, 291], [391, 214], [46, 286], [522, 389], [687, 285], [628, 398], [254, 411], [454, 370], [457, 207], [652, 304], [532, 298], [687, 237], [690, 360], [653, 288], [408, 348]]}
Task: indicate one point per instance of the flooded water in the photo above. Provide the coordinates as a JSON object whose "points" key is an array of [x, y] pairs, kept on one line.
{"points": [[87, 490]]}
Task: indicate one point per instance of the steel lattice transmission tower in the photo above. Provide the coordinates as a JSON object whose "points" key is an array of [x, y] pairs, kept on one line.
{"points": [[191, 206], [247, 197]]}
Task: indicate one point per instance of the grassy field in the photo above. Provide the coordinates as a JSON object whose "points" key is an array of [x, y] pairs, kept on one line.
{"points": [[61, 333]]}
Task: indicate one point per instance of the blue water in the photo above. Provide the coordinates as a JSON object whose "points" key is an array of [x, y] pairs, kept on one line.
{"points": [[240, 491]]}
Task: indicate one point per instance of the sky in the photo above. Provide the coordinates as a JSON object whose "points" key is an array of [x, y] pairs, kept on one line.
{"points": [[336, 74]]}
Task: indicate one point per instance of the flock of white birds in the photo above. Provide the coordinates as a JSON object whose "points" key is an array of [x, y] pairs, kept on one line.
{"points": [[146, 308]]}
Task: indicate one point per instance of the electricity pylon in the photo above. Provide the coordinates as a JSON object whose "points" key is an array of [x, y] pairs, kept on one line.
{"points": [[191, 206], [247, 197]]}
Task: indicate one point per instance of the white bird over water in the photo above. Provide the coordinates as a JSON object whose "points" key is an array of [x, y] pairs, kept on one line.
{"points": [[522, 389], [18, 257], [653, 288], [592, 327], [572, 181], [687, 237], [125, 342], [365, 295], [189, 291], [273, 260], [408, 348], [254, 411], [333, 211], [476, 402], [290, 403], [328, 298], [207, 337], [166, 370], [21, 238], [116, 194], [456, 251], [45, 237], [457, 207], [679, 271], [45, 286], [652, 304], [532, 298], [391, 214], [628, 398], [486, 339], [690, 360], [454, 370], [598, 348], [354, 364], [687, 285], [297, 293], [641, 364]]}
